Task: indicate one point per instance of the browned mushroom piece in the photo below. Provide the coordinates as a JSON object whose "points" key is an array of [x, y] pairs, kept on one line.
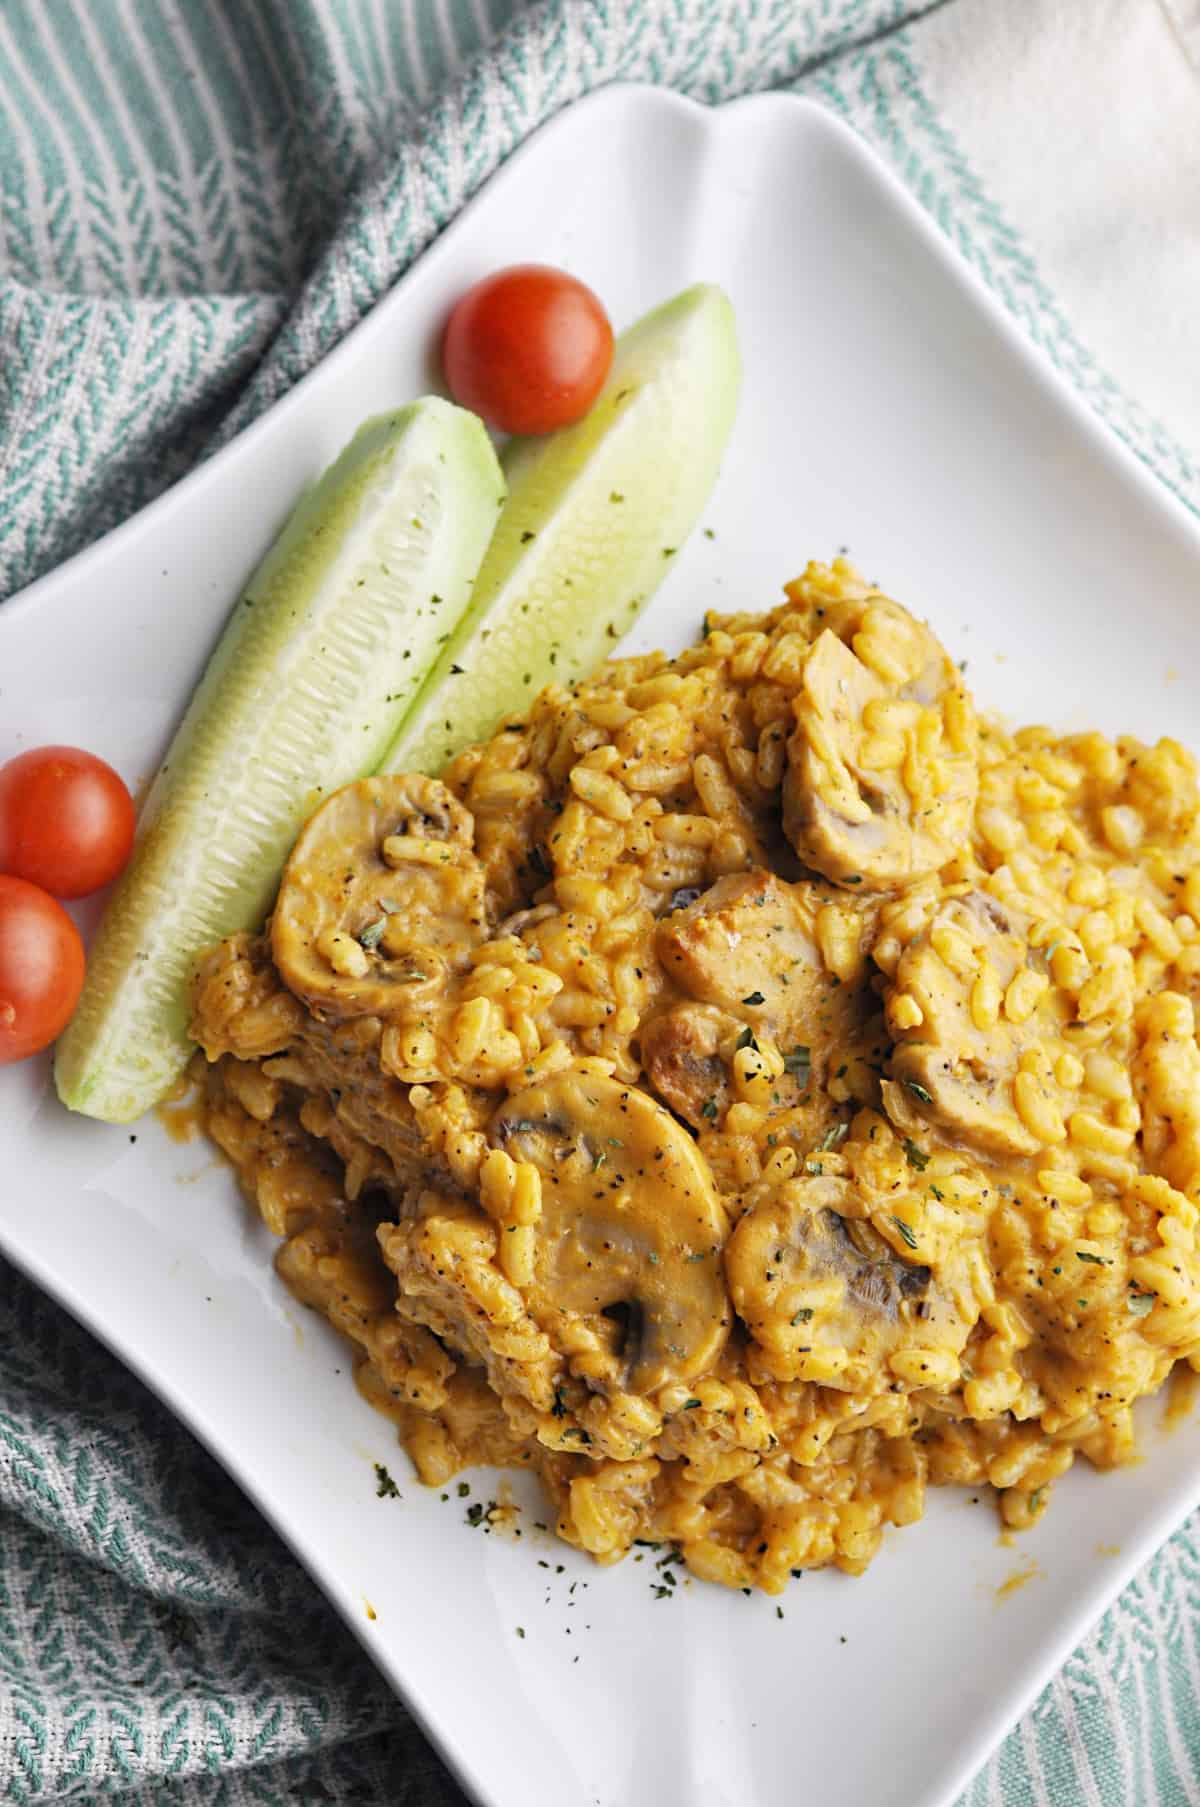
{"points": [[683, 1052], [882, 773], [749, 950], [747, 944], [382, 895], [628, 1243]]}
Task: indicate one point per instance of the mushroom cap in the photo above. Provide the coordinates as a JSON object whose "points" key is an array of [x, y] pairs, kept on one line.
{"points": [[382, 895], [631, 1226], [685, 1051], [805, 1279]]}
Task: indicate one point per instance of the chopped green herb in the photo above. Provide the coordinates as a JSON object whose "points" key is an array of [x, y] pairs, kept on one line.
{"points": [[803, 1316], [756, 997], [372, 935], [598, 1161], [690, 1405], [916, 1156], [1096, 1260], [811, 1166], [918, 1091], [938, 1194], [464, 1490], [520, 1631], [906, 1233], [746, 1040], [709, 1109], [385, 1487], [834, 1136]]}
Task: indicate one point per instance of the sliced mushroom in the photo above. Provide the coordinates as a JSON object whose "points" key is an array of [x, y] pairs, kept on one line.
{"points": [[682, 1052], [631, 1227], [808, 1282], [882, 772], [947, 1070], [382, 895]]}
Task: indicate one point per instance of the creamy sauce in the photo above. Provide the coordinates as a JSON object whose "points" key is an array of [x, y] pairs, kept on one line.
{"points": [[181, 1112], [1016, 1581], [1181, 1396], [746, 1093]]}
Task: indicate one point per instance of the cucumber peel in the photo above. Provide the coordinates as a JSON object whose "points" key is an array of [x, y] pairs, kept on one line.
{"points": [[314, 672], [595, 515]]}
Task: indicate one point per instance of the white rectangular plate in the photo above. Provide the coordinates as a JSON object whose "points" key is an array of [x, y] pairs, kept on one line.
{"points": [[890, 407]]}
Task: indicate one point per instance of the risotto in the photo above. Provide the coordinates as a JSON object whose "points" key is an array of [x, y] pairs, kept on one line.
{"points": [[746, 1091]]}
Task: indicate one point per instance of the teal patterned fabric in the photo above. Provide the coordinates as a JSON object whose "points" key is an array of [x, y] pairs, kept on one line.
{"points": [[197, 199]]}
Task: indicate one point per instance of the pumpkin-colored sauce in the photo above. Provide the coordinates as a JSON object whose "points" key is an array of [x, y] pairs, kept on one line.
{"points": [[747, 1091]]}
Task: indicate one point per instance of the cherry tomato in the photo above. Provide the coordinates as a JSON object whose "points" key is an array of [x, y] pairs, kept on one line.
{"points": [[66, 820], [528, 348], [41, 969]]}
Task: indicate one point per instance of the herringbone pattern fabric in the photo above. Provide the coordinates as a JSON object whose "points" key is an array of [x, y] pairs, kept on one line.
{"points": [[198, 198]]}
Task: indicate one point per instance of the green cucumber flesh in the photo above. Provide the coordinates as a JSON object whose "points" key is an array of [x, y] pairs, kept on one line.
{"points": [[314, 672], [595, 515]]}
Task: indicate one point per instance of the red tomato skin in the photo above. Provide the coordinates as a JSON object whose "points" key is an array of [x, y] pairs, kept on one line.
{"points": [[41, 969], [528, 348], [66, 820]]}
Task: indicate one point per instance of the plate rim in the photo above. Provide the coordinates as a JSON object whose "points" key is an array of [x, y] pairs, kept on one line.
{"points": [[1102, 442]]}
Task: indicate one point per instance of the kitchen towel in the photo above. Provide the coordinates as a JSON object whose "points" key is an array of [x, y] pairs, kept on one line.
{"points": [[198, 198]]}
